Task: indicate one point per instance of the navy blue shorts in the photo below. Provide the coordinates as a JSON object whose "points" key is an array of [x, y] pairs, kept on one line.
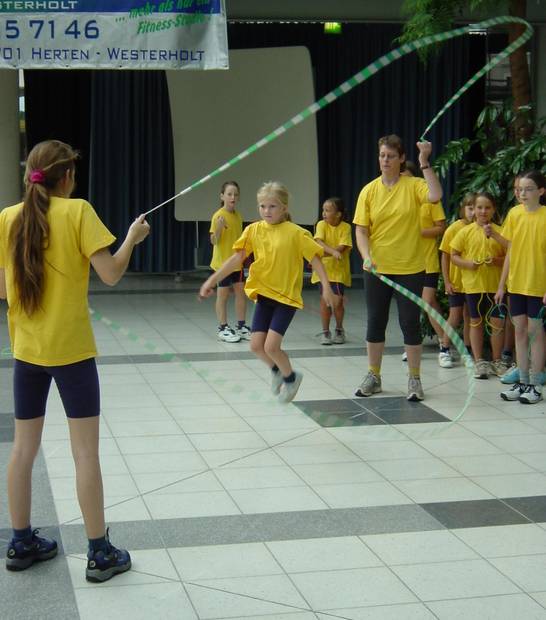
{"points": [[479, 304], [525, 304], [431, 280], [456, 300], [271, 314], [78, 386], [232, 278], [337, 288]]}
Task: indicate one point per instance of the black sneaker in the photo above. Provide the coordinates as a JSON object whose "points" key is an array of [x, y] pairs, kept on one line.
{"points": [[102, 566], [22, 554]]}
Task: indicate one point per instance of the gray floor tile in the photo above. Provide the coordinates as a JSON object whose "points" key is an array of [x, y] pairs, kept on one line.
{"points": [[534, 508], [476, 513]]}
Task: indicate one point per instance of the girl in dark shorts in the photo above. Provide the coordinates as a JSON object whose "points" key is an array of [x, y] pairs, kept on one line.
{"points": [[274, 282], [47, 243]]}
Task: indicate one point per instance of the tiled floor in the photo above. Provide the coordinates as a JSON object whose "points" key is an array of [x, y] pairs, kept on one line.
{"points": [[234, 506]]}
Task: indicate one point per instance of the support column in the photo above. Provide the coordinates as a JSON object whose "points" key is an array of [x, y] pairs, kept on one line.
{"points": [[10, 187]]}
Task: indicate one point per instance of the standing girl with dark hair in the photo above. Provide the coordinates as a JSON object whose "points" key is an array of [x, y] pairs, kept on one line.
{"points": [[334, 235], [226, 227], [47, 243], [480, 256], [525, 271]]}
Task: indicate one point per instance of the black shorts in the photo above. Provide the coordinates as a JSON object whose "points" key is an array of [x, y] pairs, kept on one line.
{"points": [[337, 288], [526, 304], [479, 305], [272, 314], [232, 278], [431, 280], [456, 300], [78, 386]]}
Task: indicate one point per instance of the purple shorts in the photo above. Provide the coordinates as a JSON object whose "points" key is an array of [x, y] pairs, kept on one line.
{"points": [[78, 386], [232, 278], [479, 304], [271, 314], [525, 304]]}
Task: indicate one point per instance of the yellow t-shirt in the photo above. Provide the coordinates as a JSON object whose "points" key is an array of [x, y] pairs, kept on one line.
{"points": [[526, 230], [59, 333], [224, 248], [277, 270], [337, 270], [472, 244], [392, 217], [431, 212], [455, 276]]}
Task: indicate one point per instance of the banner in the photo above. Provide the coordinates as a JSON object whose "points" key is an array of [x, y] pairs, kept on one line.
{"points": [[113, 34]]}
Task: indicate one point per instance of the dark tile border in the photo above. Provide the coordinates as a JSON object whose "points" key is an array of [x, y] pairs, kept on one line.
{"points": [[475, 513]]}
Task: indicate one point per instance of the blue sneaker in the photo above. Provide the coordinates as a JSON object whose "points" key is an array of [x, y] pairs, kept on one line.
{"points": [[102, 566], [22, 554], [511, 375], [541, 377]]}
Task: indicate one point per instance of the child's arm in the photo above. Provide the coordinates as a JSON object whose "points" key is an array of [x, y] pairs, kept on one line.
{"points": [[491, 232], [445, 272], [342, 248], [234, 261], [327, 293], [461, 262], [499, 295], [328, 249], [434, 231], [220, 225]]}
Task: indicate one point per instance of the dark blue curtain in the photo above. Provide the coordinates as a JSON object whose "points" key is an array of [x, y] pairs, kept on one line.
{"points": [[122, 119]]}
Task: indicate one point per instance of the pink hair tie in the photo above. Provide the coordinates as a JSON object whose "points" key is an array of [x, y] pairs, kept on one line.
{"points": [[37, 176]]}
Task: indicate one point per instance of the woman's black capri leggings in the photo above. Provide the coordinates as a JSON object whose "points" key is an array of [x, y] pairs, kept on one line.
{"points": [[378, 301]]}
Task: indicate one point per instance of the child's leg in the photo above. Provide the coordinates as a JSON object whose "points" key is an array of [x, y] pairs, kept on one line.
{"points": [[453, 320], [222, 295], [466, 326], [325, 315], [497, 337], [240, 300], [339, 310], [476, 338], [272, 348], [28, 435], [429, 295], [521, 339], [84, 441], [536, 339], [257, 341]]}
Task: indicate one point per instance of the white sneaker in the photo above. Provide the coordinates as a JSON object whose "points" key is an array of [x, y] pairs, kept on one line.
{"points": [[227, 334], [339, 337], [289, 390], [243, 332], [326, 338], [371, 384], [415, 390], [445, 360], [404, 357], [499, 367], [482, 369], [514, 392], [276, 382], [531, 395]]}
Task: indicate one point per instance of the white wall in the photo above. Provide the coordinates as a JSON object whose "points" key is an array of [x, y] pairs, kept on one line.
{"points": [[218, 114], [10, 191]]}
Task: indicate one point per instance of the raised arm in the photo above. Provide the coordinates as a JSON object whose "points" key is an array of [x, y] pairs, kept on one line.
{"points": [[434, 188]]}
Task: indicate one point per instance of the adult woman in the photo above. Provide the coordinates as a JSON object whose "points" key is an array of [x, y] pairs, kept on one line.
{"points": [[47, 243], [388, 236]]}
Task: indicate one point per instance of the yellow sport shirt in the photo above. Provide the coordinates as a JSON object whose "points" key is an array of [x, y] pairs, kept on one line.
{"points": [[223, 249], [526, 231], [455, 276], [472, 244], [337, 270], [59, 333], [431, 212], [392, 216], [277, 270]]}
